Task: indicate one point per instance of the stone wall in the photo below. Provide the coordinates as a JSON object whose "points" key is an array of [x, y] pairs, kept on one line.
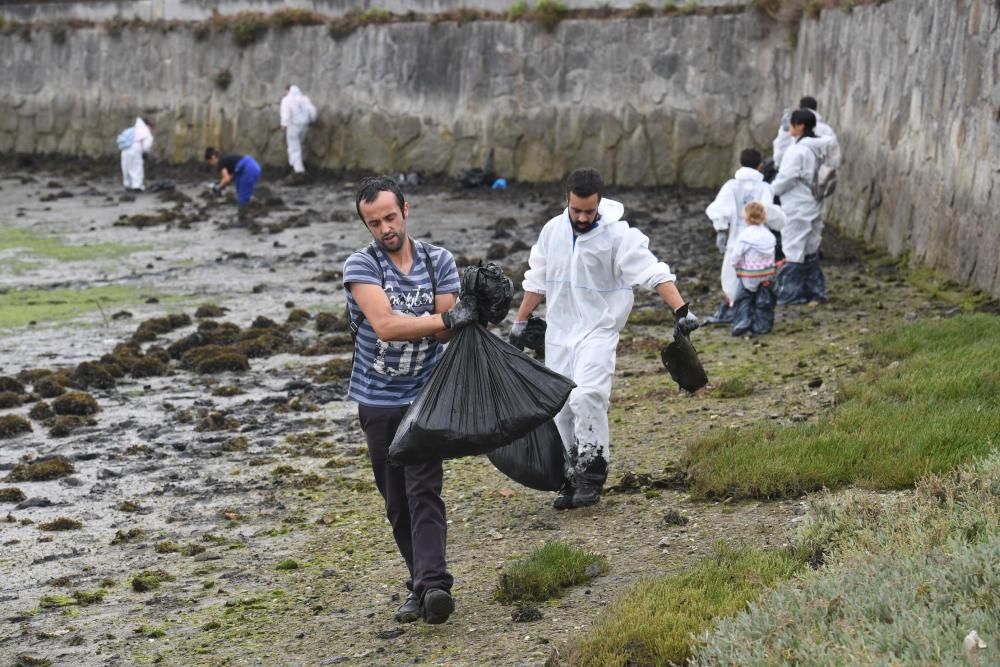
{"points": [[913, 89], [653, 101]]}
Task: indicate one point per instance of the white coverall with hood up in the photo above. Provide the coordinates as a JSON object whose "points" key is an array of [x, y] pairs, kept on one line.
{"points": [[297, 111], [803, 228], [587, 281], [133, 171], [726, 214]]}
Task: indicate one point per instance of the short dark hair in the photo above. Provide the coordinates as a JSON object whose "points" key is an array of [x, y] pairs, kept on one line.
{"points": [[370, 187], [585, 182], [808, 102], [210, 152], [807, 118], [750, 157]]}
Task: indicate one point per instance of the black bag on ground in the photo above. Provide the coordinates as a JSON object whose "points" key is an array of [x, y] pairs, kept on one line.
{"points": [[681, 360], [536, 460], [483, 394]]}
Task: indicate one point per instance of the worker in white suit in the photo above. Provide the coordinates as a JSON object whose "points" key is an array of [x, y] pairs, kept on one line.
{"points": [[133, 170], [297, 112], [726, 214], [584, 266]]}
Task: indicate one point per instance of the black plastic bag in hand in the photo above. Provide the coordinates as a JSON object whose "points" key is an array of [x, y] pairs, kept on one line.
{"points": [[536, 460], [681, 360], [492, 289], [483, 394]]}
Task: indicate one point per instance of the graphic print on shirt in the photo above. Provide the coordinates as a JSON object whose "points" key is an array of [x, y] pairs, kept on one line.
{"points": [[399, 358]]}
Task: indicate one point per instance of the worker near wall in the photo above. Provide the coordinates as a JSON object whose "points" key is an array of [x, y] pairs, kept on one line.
{"points": [[297, 112]]}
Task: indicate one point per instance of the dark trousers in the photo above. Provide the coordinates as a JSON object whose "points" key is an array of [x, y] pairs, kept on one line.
{"points": [[754, 311], [801, 282], [412, 502]]}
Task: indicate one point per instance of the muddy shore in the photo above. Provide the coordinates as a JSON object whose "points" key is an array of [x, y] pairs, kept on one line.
{"points": [[246, 492]]}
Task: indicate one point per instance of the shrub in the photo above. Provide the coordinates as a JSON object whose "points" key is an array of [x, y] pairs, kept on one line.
{"points": [[294, 16], [546, 571], [248, 27], [518, 10], [548, 13], [642, 9]]}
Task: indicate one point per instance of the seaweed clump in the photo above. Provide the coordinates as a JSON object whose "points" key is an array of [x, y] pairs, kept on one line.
{"points": [[75, 403], [41, 470], [11, 425]]}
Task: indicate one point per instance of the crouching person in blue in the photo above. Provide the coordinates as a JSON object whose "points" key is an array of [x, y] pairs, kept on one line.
{"points": [[242, 170], [752, 258], [401, 293]]}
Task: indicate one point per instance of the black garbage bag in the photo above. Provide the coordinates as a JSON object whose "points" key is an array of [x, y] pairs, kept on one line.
{"points": [[536, 460], [483, 394], [491, 288], [681, 360], [534, 334]]}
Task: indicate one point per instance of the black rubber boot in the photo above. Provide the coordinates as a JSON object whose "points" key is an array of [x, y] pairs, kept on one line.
{"points": [[815, 282], [791, 284], [564, 500], [590, 483]]}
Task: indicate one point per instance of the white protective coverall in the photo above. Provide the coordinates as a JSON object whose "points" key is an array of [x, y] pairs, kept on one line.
{"points": [[297, 111], [588, 296], [726, 214], [803, 230], [133, 171], [784, 141]]}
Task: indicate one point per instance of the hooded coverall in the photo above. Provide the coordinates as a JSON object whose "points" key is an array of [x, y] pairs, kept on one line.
{"points": [[726, 214], [297, 111], [132, 167], [801, 278], [587, 281]]}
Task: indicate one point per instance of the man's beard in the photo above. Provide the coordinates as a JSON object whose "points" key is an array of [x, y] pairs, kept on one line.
{"points": [[393, 243]]}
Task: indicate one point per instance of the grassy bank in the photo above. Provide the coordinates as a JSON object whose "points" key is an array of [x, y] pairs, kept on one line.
{"points": [[653, 623], [24, 242], [932, 402]]}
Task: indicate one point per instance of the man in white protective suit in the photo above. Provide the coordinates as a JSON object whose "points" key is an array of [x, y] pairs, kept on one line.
{"points": [[584, 265], [297, 112], [801, 279], [133, 170], [726, 214]]}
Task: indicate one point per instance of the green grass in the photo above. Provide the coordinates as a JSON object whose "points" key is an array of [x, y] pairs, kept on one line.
{"points": [[21, 307], [905, 577], [653, 623], [931, 402], [548, 570], [29, 243]]}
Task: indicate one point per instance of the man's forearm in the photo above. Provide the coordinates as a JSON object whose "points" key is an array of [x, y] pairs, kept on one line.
{"points": [[668, 292], [404, 328], [528, 305]]}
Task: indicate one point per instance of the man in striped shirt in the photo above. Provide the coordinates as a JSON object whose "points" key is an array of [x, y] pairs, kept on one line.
{"points": [[401, 294]]}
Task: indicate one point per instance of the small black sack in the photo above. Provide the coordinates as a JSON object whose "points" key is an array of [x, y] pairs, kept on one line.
{"points": [[492, 290], [483, 394], [536, 460], [681, 360]]}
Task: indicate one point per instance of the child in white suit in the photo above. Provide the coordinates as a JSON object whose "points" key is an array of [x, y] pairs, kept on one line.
{"points": [[752, 256]]}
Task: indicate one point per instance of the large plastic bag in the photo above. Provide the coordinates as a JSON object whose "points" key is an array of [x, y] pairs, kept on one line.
{"points": [[536, 460], [483, 394]]}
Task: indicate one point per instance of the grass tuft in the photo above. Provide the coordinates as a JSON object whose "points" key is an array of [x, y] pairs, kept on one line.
{"points": [[548, 570], [932, 404], [653, 622]]}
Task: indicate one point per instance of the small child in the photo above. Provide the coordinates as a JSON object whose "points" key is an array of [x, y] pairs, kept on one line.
{"points": [[753, 258]]}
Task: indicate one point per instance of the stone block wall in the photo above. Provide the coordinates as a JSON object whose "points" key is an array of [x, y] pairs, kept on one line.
{"points": [[913, 89], [651, 101]]}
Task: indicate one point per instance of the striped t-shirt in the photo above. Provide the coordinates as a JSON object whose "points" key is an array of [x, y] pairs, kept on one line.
{"points": [[391, 374]]}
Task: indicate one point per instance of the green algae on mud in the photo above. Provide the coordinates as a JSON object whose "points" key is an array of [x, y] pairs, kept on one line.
{"points": [[22, 307], [24, 242]]}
